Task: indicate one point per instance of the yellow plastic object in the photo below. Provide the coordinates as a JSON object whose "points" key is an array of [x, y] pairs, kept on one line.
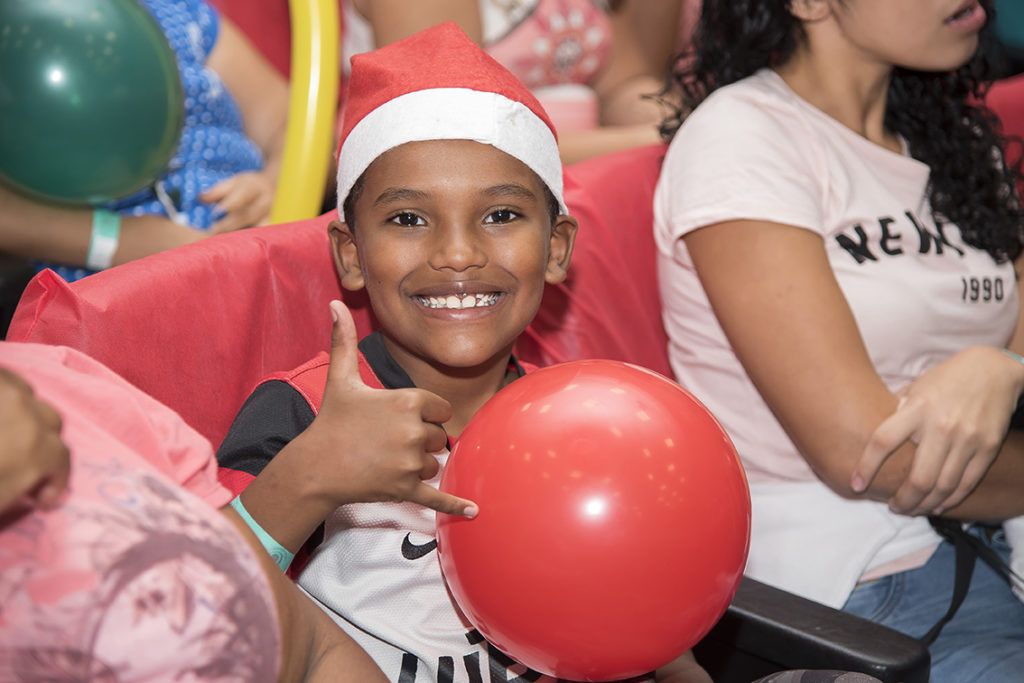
{"points": [[312, 108]]}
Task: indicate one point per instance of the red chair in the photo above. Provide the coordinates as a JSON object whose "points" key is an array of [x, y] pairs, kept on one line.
{"points": [[197, 327]]}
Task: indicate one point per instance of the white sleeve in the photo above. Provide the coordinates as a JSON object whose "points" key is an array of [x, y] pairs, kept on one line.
{"points": [[1014, 530], [742, 154]]}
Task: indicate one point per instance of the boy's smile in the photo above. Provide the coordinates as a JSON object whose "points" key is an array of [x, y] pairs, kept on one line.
{"points": [[453, 241]]}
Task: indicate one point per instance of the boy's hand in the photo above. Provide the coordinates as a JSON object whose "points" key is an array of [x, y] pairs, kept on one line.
{"points": [[365, 445], [33, 459], [388, 435]]}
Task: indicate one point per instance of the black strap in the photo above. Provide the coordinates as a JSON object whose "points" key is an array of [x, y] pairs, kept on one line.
{"points": [[965, 559], [968, 548]]}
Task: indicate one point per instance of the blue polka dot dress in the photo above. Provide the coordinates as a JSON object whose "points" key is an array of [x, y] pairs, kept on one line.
{"points": [[213, 143]]}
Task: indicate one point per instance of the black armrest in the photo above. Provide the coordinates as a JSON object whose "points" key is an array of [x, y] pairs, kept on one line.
{"points": [[766, 630]]}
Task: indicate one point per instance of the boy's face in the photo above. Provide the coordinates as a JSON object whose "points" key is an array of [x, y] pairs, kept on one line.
{"points": [[453, 242]]}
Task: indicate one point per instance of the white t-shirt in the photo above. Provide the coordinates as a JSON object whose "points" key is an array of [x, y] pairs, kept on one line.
{"points": [[756, 150]]}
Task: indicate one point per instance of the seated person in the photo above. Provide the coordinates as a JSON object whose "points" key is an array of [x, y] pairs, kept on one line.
{"points": [[123, 569], [591, 63], [839, 253]]}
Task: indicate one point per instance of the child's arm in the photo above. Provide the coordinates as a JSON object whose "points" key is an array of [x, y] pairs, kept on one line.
{"points": [[313, 648], [365, 445]]}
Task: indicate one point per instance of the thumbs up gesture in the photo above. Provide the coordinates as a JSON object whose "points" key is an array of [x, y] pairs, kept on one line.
{"points": [[365, 445]]}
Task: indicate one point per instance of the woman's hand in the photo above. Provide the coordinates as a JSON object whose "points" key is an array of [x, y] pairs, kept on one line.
{"points": [[958, 414]]}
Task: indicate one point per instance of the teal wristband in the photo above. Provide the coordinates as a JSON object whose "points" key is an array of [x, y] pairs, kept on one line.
{"points": [[106, 233], [1016, 356], [282, 556]]}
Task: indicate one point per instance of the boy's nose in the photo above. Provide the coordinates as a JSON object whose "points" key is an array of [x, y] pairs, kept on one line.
{"points": [[458, 248]]}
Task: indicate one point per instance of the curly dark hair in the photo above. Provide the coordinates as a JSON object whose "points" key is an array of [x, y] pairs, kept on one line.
{"points": [[938, 114]]}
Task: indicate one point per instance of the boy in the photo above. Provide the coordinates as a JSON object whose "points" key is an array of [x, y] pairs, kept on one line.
{"points": [[450, 193]]}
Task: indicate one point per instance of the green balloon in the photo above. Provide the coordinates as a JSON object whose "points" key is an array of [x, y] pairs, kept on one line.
{"points": [[91, 102]]}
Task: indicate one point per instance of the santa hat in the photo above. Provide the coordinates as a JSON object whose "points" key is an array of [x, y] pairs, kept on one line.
{"points": [[439, 85]]}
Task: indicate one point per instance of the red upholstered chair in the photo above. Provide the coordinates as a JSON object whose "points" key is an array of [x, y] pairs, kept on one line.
{"points": [[197, 327], [609, 306], [1006, 99]]}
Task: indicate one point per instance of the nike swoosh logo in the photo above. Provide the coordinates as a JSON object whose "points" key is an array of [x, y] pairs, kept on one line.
{"points": [[411, 551]]}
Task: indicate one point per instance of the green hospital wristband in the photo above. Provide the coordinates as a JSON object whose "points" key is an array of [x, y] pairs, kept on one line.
{"points": [[106, 233], [281, 555]]}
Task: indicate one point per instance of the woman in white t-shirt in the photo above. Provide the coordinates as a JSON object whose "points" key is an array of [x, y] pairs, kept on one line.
{"points": [[837, 232]]}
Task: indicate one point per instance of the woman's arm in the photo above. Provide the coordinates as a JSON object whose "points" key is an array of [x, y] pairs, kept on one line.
{"points": [[958, 414], [644, 35], [778, 302], [393, 20], [262, 97]]}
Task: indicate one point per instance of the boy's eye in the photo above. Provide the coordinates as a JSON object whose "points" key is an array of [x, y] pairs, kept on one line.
{"points": [[501, 216], [407, 219]]}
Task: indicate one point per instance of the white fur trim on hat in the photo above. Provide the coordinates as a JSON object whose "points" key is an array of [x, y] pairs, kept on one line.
{"points": [[452, 114]]}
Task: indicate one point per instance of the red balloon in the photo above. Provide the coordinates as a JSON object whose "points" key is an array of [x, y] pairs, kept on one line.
{"points": [[614, 521]]}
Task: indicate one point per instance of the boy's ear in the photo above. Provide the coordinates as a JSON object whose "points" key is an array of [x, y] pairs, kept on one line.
{"points": [[810, 10], [346, 255], [563, 237]]}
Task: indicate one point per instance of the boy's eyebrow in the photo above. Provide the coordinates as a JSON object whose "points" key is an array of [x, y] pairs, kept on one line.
{"points": [[399, 194], [404, 194], [506, 189]]}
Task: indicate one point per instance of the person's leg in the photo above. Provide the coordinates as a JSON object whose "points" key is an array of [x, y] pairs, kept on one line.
{"points": [[816, 676], [984, 641]]}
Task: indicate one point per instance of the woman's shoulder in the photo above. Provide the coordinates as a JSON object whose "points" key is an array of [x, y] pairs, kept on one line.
{"points": [[762, 97]]}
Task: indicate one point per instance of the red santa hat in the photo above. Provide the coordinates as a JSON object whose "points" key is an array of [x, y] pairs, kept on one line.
{"points": [[439, 85]]}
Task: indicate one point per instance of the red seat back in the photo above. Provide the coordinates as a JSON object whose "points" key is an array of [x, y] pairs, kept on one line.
{"points": [[197, 327], [610, 306]]}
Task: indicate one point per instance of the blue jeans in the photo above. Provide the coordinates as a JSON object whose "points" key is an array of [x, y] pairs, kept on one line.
{"points": [[983, 642]]}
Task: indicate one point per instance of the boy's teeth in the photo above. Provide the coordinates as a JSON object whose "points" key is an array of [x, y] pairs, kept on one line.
{"points": [[454, 301]]}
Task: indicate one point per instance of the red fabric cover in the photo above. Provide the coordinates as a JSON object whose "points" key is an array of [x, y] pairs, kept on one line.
{"points": [[1006, 99], [197, 327], [609, 306], [267, 24]]}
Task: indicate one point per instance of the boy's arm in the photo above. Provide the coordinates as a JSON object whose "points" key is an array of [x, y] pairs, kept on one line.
{"points": [[365, 445], [313, 648]]}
